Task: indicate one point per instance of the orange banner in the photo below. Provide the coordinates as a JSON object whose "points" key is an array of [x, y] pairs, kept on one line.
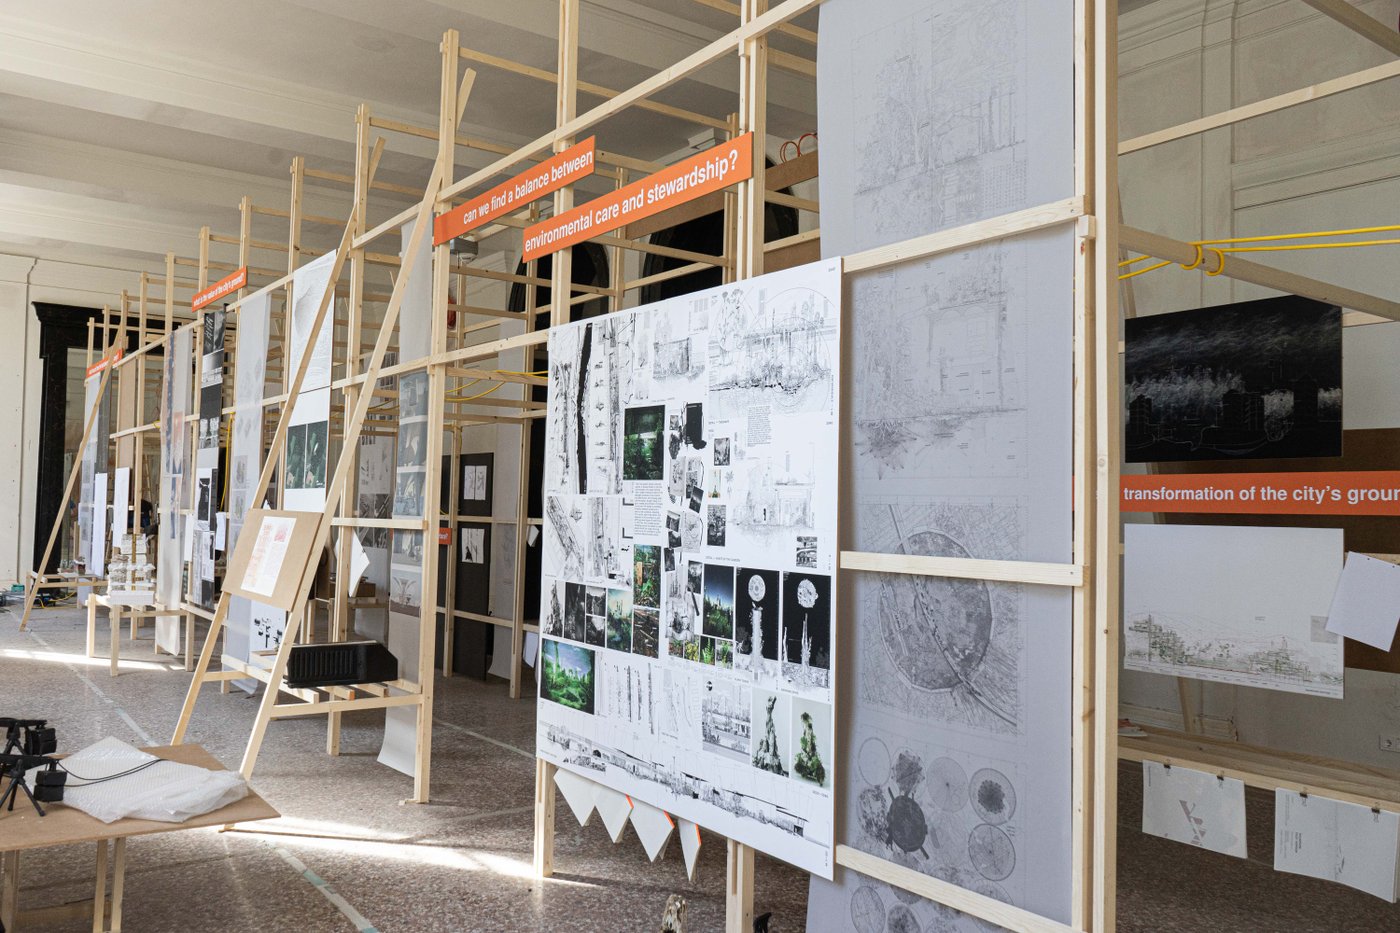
{"points": [[712, 170], [225, 286], [103, 363], [444, 535], [1357, 492], [544, 178]]}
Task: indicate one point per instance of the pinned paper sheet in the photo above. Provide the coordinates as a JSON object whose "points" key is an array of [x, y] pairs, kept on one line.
{"points": [[1194, 808], [189, 538], [653, 827], [689, 835], [1336, 841], [579, 793], [220, 530], [532, 647], [614, 807], [359, 560], [400, 739], [1366, 606]]}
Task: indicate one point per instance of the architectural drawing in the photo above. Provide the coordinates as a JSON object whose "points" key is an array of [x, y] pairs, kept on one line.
{"points": [[961, 427], [944, 386], [653, 550], [923, 811], [1255, 379], [1256, 611], [772, 348], [944, 648]]}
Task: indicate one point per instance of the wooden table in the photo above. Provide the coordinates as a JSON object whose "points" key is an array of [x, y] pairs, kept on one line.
{"points": [[22, 829], [115, 610]]}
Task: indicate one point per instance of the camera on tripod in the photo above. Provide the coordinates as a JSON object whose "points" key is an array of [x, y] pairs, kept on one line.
{"points": [[28, 743], [29, 736]]}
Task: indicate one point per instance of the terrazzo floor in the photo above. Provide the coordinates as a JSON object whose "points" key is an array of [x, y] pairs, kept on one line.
{"points": [[463, 862]]}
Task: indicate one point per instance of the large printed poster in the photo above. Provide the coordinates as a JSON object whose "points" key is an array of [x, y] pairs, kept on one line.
{"points": [[174, 452], [252, 628], [689, 557], [956, 740], [308, 435]]}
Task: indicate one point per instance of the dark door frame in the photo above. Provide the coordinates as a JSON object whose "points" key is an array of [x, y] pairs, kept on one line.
{"points": [[61, 328]]}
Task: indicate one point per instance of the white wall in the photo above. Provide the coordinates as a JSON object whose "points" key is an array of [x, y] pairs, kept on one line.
{"points": [[1325, 165], [23, 281]]}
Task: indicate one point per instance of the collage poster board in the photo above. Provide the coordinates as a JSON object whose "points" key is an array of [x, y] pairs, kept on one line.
{"points": [[94, 461], [404, 623], [174, 452], [252, 627], [956, 740], [308, 435], [208, 480], [690, 548]]}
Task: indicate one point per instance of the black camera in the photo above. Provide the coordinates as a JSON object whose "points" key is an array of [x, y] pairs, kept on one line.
{"points": [[49, 784], [29, 736]]}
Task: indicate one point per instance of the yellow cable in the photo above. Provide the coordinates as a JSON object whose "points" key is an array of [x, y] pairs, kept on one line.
{"points": [[1270, 249], [1299, 236], [1160, 265]]}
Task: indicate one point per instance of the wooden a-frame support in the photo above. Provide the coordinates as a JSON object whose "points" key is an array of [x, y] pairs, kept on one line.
{"points": [[421, 694]]}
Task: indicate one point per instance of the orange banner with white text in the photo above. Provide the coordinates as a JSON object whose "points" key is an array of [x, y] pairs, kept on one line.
{"points": [[225, 286], [1354, 492], [712, 170], [544, 178], [103, 363]]}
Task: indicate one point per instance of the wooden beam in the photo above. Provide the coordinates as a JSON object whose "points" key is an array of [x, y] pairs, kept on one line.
{"points": [[1153, 244], [1260, 107], [681, 70], [542, 74], [1010, 571], [1364, 25]]}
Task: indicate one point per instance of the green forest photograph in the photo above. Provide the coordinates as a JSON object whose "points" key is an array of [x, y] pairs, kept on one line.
{"points": [[567, 677], [719, 601], [643, 442], [646, 575]]}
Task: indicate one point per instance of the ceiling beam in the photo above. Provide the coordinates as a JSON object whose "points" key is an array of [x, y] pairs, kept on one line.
{"points": [[1363, 24]]}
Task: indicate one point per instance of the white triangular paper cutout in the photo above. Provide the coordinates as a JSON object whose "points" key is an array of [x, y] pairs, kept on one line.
{"points": [[653, 827], [580, 793], [689, 835], [614, 807]]}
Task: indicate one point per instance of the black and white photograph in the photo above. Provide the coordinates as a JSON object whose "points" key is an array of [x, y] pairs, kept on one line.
{"points": [[806, 551], [413, 396], [721, 451], [405, 589], [473, 543], [1257, 379], [806, 622], [413, 443], [755, 607], [715, 526], [408, 494], [296, 456], [316, 451], [725, 711], [408, 547], [575, 612]]}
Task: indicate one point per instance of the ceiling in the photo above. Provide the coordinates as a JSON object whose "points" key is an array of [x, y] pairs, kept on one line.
{"points": [[125, 127]]}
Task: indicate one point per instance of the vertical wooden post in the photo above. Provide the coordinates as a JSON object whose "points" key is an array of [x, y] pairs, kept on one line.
{"points": [[522, 505], [1107, 441], [753, 117], [544, 818], [738, 889], [449, 595], [425, 673]]}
